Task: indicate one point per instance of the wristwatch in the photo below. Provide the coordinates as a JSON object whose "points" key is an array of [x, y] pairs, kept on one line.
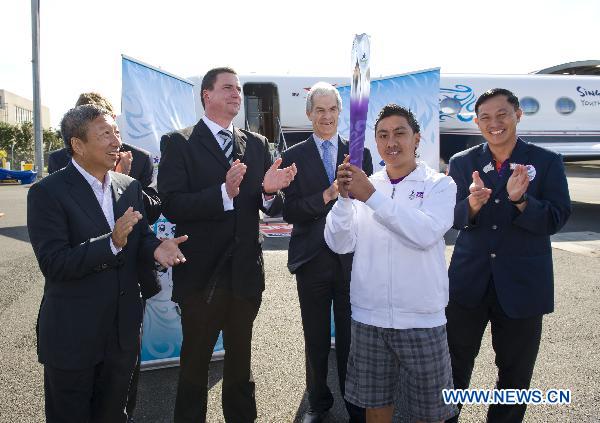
{"points": [[269, 194], [520, 200]]}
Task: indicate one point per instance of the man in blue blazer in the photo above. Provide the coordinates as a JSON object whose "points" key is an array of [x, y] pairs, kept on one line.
{"points": [[511, 196]]}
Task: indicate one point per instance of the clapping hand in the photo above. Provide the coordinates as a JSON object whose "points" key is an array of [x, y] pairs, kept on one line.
{"points": [[331, 192], [234, 178], [123, 227], [479, 194], [276, 179], [168, 252], [517, 183]]}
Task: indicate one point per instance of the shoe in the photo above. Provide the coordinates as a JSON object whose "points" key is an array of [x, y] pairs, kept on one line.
{"points": [[314, 416]]}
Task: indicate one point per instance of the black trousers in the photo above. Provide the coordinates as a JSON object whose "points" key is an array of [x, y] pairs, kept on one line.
{"points": [[95, 394], [321, 283], [201, 323], [515, 342], [133, 388], [135, 378]]}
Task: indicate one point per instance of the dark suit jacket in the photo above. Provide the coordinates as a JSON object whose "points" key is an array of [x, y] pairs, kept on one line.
{"points": [[502, 244], [141, 170], [87, 287], [304, 206], [191, 171]]}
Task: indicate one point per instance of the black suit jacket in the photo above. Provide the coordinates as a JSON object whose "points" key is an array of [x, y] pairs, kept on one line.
{"points": [[141, 170], [191, 171], [502, 244], [304, 206], [88, 289]]}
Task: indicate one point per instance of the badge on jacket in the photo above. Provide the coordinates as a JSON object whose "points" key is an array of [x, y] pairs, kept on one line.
{"points": [[531, 172]]}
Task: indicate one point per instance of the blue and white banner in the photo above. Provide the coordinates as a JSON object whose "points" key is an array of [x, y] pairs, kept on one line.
{"points": [[417, 91], [153, 103]]}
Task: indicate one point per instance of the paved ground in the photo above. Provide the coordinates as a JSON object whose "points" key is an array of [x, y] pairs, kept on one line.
{"points": [[569, 355]]}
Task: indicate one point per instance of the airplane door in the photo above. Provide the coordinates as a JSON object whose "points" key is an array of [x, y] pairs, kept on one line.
{"points": [[261, 103]]}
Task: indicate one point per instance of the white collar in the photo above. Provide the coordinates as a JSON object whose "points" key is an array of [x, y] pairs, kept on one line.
{"points": [[215, 127], [91, 179]]}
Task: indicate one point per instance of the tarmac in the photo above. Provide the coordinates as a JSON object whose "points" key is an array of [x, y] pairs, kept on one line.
{"points": [[569, 356]]}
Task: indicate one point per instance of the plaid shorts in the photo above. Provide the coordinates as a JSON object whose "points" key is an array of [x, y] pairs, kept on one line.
{"points": [[415, 361]]}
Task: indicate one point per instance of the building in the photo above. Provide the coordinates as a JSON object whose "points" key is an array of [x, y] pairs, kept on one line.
{"points": [[16, 109]]}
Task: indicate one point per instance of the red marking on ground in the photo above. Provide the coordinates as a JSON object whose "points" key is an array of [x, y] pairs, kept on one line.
{"points": [[276, 231]]}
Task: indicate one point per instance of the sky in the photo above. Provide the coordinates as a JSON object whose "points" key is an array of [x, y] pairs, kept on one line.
{"points": [[82, 42]]}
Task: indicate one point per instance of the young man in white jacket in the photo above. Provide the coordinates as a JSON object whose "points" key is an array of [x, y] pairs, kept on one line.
{"points": [[399, 284]]}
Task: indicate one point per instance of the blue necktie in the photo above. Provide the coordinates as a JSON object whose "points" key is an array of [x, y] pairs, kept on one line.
{"points": [[327, 160]]}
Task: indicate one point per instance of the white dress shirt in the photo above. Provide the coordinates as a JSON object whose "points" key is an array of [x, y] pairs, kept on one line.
{"points": [[215, 128], [103, 194]]}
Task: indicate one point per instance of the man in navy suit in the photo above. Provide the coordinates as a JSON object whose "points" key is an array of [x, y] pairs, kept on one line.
{"points": [[511, 197], [323, 277]]}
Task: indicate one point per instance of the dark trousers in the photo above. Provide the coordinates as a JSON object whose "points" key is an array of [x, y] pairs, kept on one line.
{"points": [[320, 283], [95, 394], [133, 388], [515, 342], [201, 323]]}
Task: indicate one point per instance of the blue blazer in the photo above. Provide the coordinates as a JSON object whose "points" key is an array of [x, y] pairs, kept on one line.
{"points": [[502, 245]]}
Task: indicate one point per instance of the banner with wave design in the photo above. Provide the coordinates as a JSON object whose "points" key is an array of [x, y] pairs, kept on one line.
{"points": [[417, 91], [153, 102]]}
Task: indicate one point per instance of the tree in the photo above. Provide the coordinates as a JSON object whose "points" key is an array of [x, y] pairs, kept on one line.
{"points": [[24, 144], [18, 141], [52, 140], [7, 135]]}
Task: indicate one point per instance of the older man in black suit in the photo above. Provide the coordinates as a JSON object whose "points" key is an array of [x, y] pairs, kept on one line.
{"points": [[136, 163], [323, 277], [213, 178], [89, 236], [132, 161]]}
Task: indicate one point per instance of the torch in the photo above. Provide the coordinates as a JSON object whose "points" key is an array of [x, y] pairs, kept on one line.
{"points": [[359, 96]]}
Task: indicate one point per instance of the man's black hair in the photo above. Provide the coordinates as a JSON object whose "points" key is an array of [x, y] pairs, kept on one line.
{"points": [[396, 110], [494, 92]]}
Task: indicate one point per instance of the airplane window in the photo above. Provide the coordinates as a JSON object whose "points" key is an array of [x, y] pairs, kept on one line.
{"points": [[450, 106], [565, 106], [529, 105]]}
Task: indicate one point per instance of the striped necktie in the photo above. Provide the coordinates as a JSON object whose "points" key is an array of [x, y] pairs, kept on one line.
{"points": [[227, 144]]}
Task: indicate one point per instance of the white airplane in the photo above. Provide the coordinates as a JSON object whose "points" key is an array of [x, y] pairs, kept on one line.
{"points": [[561, 112]]}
